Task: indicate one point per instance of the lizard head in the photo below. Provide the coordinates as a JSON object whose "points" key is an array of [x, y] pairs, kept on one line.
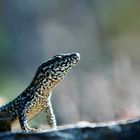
{"points": [[55, 69]]}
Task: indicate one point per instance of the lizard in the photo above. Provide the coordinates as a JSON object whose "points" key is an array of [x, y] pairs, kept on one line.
{"points": [[37, 96]]}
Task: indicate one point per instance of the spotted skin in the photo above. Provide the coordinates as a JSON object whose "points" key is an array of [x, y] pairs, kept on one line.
{"points": [[36, 97]]}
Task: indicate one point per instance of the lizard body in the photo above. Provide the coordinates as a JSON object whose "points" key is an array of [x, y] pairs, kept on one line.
{"points": [[36, 97]]}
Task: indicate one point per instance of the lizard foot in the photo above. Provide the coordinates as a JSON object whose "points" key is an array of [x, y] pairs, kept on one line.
{"points": [[32, 130], [29, 129]]}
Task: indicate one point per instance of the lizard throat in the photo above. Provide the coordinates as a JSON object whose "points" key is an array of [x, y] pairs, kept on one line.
{"points": [[43, 88]]}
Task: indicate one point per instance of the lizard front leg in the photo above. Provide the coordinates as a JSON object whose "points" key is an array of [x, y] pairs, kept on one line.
{"points": [[50, 115], [23, 122]]}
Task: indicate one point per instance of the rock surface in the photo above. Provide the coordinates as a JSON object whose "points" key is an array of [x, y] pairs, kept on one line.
{"points": [[122, 130]]}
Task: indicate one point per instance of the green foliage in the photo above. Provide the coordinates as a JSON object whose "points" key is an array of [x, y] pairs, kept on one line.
{"points": [[4, 46]]}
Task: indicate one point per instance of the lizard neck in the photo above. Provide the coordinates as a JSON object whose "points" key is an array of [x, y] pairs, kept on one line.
{"points": [[42, 86]]}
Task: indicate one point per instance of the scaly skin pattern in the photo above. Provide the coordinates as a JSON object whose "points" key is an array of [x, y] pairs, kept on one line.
{"points": [[36, 97]]}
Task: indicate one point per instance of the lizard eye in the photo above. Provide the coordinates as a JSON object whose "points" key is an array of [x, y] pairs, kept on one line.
{"points": [[58, 56]]}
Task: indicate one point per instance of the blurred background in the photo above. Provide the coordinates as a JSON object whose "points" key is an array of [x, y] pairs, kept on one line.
{"points": [[105, 85]]}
